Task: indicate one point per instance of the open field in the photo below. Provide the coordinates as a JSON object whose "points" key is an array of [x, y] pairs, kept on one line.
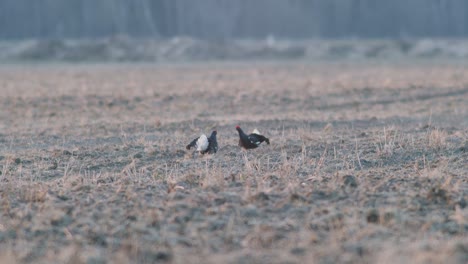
{"points": [[368, 163]]}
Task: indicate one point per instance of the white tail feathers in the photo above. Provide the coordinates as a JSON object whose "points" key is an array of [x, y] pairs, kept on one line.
{"points": [[202, 143], [255, 131]]}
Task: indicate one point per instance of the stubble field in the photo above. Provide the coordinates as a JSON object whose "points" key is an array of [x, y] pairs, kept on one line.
{"points": [[367, 163]]}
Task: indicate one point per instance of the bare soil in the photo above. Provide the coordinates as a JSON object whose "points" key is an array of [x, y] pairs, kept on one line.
{"points": [[367, 163]]}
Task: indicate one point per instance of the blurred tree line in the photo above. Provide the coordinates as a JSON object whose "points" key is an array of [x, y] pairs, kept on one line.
{"points": [[233, 18]]}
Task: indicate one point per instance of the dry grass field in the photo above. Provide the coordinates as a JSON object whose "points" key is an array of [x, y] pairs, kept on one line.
{"points": [[367, 163]]}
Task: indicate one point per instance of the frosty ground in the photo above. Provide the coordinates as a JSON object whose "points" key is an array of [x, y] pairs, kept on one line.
{"points": [[367, 163]]}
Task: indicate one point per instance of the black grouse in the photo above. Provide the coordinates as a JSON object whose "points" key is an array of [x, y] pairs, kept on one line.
{"points": [[204, 144], [250, 141]]}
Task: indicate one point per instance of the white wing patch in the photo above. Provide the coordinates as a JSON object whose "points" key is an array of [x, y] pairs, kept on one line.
{"points": [[254, 141], [255, 131], [202, 143]]}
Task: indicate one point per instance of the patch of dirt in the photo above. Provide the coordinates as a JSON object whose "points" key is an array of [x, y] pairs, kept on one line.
{"points": [[367, 163]]}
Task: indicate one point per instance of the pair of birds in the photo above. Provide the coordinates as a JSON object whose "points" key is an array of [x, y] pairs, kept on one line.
{"points": [[209, 145]]}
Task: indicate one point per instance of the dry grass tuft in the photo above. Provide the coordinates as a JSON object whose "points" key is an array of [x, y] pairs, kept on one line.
{"points": [[33, 193], [437, 138]]}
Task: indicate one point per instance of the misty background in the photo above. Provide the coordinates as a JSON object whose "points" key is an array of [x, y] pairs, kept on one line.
{"points": [[231, 29]]}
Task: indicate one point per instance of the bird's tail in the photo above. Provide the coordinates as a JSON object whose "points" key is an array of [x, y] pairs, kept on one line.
{"points": [[192, 144]]}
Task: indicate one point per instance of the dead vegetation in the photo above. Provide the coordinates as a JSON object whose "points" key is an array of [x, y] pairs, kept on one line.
{"points": [[367, 163]]}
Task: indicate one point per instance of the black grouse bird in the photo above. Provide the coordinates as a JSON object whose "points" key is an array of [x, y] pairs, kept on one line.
{"points": [[251, 141], [204, 144]]}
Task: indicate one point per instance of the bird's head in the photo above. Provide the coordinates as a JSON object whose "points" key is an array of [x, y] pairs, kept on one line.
{"points": [[238, 127], [214, 132]]}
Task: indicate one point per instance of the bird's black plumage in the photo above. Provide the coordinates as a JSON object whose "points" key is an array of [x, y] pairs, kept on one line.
{"points": [[192, 144], [250, 141], [213, 142]]}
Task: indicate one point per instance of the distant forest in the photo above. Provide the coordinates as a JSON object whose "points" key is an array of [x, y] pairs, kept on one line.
{"points": [[224, 19]]}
